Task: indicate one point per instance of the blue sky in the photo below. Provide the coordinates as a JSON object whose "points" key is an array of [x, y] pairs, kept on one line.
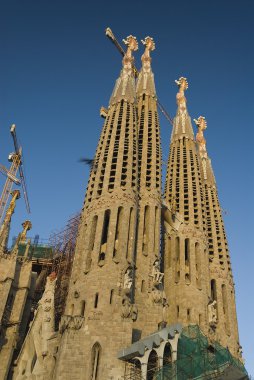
{"points": [[57, 68]]}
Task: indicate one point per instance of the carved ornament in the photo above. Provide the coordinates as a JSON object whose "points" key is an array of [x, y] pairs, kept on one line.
{"points": [[71, 322]]}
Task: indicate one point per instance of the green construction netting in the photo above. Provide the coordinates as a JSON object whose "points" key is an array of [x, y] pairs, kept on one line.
{"points": [[198, 359], [36, 252]]}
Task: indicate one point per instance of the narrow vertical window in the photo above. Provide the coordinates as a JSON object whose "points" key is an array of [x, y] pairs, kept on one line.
{"points": [[95, 362], [104, 236], [119, 223], [187, 260], [225, 307], [83, 308], [111, 296], [156, 229], [198, 265], [167, 355], [91, 242], [92, 233], [213, 290], [145, 230], [142, 286], [130, 234], [177, 311], [169, 252], [177, 259], [96, 300]]}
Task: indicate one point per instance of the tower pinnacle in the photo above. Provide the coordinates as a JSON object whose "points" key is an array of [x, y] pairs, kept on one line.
{"points": [[180, 97], [182, 122], [4, 230], [145, 83], [27, 225], [125, 84], [201, 125]]}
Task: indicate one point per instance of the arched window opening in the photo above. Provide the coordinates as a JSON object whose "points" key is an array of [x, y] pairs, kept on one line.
{"points": [[167, 355], [93, 231], [72, 309], [152, 365], [104, 236], [146, 229], [119, 223], [96, 300], [91, 242], [177, 259], [95, 362], [137, 364], [213, 290]]}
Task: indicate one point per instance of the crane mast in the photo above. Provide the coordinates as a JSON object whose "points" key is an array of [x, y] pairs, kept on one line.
{"points": [[16, 160], [16, 166]]}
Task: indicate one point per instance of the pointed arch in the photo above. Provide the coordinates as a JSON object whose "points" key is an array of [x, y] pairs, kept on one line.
{"points": [[167, 354], [152, 365], [95, 361]]}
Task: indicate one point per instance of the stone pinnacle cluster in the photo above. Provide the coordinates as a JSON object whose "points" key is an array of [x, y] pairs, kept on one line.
{"points": [[147, 264], [118, 287]]}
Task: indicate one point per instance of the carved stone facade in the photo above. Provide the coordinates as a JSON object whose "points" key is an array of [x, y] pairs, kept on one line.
{"points": [[198, 277], [36, 359], [221, 286], [17, 284], [127, 288]]}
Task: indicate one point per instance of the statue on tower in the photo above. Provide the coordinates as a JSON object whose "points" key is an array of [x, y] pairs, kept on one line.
{"points": [[125, 84], [27, 225], [201, 125], [180, 97], [145, 83], [128, 60]]}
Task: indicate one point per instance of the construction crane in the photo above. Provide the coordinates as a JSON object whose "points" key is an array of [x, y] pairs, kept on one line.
{"points": [[8, 174], [16, 165], [114, 40]]}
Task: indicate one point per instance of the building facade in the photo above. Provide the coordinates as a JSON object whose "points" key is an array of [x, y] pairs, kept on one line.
{"points": [[147, 265]]}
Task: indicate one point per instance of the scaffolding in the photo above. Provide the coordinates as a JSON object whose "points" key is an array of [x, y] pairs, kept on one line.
{"points": [[197, 359], [63, 244]]}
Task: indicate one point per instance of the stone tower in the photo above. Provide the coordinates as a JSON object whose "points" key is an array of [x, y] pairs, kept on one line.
{"points": [[148, 280], [17, 283], [222, 294], [186, 257], [198, 277], [100, 309]]}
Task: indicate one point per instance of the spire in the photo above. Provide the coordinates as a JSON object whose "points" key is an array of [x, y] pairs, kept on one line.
{"points": [[145, 84], [5, 228], [182, 122], [201, 124], [27, 225], [125, 84]]}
